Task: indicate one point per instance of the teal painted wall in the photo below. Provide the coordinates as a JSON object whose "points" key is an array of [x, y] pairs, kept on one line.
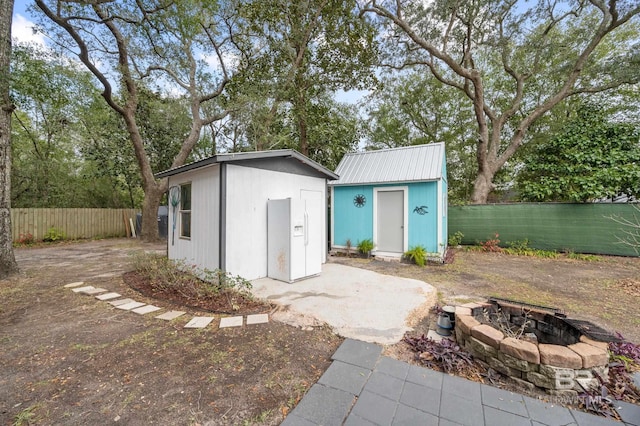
{"points": [[356, 223], [349, 221], [423, 229], [445, 205]]}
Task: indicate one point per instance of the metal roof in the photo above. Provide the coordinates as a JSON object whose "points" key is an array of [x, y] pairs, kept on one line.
{"points": [[405, 164], [248, 156]]}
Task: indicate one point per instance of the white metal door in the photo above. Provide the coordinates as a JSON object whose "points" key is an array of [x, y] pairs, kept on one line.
{"points": [[390, 221], [315, 229], [279, 240]]}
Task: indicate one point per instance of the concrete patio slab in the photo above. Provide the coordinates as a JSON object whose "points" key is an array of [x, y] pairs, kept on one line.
{"points": [[76, 284], [108, 296], [171, 315], [198, 322], [257, 319], [143, 310], [357, 303], [131, 305], [230, 322]]}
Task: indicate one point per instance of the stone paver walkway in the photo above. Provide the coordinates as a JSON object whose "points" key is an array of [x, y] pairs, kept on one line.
{"points": [[361, 387], [141, 308]]}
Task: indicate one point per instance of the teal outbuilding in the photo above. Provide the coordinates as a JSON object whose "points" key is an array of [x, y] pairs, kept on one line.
{"points": [[395, 197]]}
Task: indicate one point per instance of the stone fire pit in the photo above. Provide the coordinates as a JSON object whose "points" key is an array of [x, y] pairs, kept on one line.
{"points": [[558, 360]]}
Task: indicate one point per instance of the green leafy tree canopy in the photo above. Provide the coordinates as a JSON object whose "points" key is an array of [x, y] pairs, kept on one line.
{"points": [[593, 158]]}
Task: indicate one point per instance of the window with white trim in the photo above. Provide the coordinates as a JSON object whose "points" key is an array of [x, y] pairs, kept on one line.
{"points": [[185, 210]]}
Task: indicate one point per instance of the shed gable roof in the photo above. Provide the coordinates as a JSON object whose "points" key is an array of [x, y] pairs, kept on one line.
{"points": [[257, 158], [405, 164]]}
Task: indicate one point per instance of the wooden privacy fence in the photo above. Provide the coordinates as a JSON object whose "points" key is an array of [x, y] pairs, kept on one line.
{"points": [[75, 223], [582, 228]]}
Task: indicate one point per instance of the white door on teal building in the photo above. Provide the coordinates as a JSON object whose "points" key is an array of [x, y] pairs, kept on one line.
{"points": [[390, 221]]}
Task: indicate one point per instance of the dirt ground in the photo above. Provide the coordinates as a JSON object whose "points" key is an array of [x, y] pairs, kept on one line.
{"points": [[67, 358], [605, 291]]}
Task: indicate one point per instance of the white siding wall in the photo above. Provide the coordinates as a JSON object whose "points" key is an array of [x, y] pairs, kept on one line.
{"points": [[202, 249], [248, 190]]}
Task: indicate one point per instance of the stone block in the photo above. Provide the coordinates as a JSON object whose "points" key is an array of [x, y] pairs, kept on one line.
{"points": [[523, 384], [487, 334], [520, 349], [515, 363], [586, 384], [460, 336], [559, 356], [500, 367], [462, 310], [591, 356], [466, 323], [556, 372], [584, 374], [477, 308], [477, 347], [601, 345], [546, 382]]}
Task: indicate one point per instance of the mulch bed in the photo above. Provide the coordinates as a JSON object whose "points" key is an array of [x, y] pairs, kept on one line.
{"points": [[225, 302]]}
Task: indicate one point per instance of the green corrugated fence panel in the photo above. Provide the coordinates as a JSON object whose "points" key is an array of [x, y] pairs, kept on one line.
{"points": [[582, 228]]}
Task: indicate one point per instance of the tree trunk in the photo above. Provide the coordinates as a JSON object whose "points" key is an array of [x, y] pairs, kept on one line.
{"points": [[8, 263], [152, 196], [482, 187]]}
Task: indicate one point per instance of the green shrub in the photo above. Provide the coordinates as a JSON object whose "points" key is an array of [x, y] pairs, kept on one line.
{"points": [[417, 255], [54, 234], [365, 246], [456, 239], [169, 275]]}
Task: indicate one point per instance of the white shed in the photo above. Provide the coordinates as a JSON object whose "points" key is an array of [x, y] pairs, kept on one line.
{"points": [[219, 220]]}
